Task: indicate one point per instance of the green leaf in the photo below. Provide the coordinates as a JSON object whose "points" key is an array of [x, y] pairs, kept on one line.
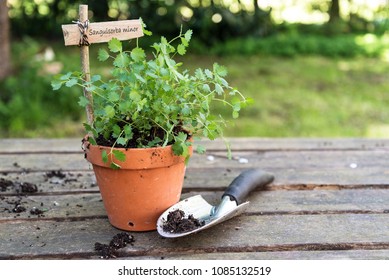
{"points": [[119, 155], [90, 87], [186, 111], [109, 111], [249, 101], [115, 45], [166, 87], [103, 55], [113, 96], [122, 141], [181, 49], [184, 42], [83, 101], [208, 73], [128, 131], [199, 74], [71, 82], [92, 141], [206, 88], [66, 76], [151, 74], [154, 142], [188, 35], [200, 149], [91, 129], [104, 156], [220, 70], [140, 78], [177, 148], [95, 78], [219, 90], [116, 131], [224, 82], [145, 31], [138, 54], [121, 60], [235, 100], [181, 137], [114, 166], [135, 96], [56, 85]]}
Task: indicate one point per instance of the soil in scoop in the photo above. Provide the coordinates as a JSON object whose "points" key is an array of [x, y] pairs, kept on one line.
{"points": [[177, 223]]}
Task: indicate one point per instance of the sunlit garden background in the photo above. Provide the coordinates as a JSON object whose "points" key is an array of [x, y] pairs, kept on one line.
{"points": [[315, 68]]}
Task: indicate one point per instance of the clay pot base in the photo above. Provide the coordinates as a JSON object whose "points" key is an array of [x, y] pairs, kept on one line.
{"points": [[148, 183]]}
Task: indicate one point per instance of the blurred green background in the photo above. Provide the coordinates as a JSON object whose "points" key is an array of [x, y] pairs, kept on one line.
{"points": [[314, 68]]}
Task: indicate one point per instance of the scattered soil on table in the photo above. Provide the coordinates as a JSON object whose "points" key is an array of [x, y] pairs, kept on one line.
{"points": [[17, 205], [18, 208], [55, 173], [177, 223], [5, 184], [28, 187], [36, 211], [23, 187], [17, 191], [120, 240]]}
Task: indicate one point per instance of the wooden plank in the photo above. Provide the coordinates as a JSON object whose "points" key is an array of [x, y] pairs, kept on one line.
{"points": [[309, 167], [287, 160], [75, 239], [40, 145], [66, 206], [206, 180], [286, 255], [215, 179], [73, 145], [52, 207], [100, 32], [71, 182], [300, 144], [219, 178]]}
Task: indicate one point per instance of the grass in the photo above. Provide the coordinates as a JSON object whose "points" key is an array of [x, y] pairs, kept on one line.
{"points": [[309, 96], [302, 96]]}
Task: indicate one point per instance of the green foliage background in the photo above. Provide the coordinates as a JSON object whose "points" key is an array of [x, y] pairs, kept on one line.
{"points": [[306, 79]]}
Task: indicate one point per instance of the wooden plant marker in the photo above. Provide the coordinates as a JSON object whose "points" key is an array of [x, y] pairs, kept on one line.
{"points": [[83, 33]]}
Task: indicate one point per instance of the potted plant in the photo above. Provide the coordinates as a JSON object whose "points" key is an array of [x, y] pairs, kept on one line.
{"points": [[145, 118]]}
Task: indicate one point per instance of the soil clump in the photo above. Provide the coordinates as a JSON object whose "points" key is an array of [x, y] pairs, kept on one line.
{"points": [[120, 240], [177, 223]]}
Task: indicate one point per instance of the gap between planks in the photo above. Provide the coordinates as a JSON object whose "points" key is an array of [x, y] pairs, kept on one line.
{"points": [[165, 252], [260, 213]]}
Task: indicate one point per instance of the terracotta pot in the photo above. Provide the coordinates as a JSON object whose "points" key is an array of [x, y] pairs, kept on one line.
{"points": [[148, 182]]}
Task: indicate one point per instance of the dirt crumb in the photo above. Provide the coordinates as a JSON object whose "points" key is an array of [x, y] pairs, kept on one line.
{"points": [[4, 184], [55, 173], [18, 208], [36, 211], [28, 187]]}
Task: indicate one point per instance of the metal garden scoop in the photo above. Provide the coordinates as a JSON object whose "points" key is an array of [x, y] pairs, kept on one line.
{"points": [[231, 205]]}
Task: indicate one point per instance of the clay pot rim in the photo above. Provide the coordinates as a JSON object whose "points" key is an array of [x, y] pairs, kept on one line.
{"points": [[136, 158]]}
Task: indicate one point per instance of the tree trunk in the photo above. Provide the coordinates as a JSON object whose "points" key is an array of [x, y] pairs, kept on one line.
{"points": [[5, 61], [334, 11]]}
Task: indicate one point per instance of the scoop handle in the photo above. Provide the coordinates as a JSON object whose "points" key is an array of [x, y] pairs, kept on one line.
{"points": [[246, 182]]}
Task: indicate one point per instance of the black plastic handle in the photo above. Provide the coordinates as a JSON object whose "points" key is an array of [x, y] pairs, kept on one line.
{"points": [[246, 182]]}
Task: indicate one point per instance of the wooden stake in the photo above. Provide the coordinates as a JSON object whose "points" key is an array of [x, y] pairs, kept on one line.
{"points": [[96, 33], [83, 17]]}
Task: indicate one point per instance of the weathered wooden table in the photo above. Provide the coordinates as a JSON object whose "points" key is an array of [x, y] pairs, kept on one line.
{"points": [[330, 200]]}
